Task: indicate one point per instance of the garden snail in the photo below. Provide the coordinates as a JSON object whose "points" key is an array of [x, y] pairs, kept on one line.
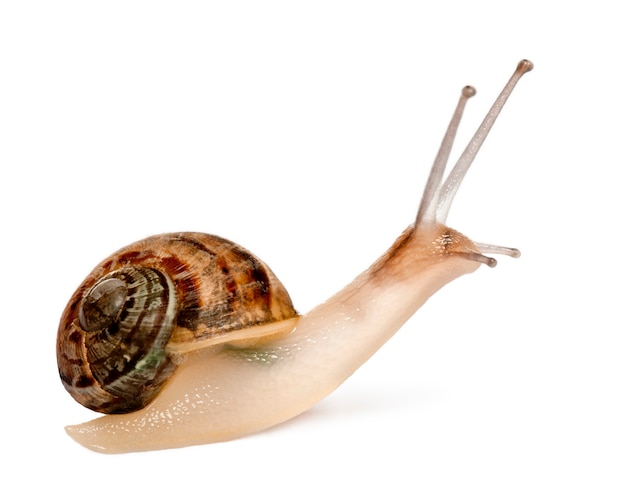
{"points": [[187, 338]]}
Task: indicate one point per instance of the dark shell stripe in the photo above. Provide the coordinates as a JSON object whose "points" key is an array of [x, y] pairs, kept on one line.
{"points": [[217, 287]]}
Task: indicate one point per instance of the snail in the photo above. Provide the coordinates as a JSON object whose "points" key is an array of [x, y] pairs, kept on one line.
{"points": [[188, 338]]}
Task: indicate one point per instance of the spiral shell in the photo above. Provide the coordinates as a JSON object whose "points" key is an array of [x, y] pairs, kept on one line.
{"points": [[132, 318]]}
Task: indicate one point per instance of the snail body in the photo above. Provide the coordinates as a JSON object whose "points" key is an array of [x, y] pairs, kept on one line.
{"points": [[188, 338]]}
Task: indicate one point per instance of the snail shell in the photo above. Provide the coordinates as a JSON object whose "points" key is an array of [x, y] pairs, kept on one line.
{"points": [[132, 318]]}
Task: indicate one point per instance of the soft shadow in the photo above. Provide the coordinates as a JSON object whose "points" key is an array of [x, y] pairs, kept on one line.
{"points": [[355, 401]]}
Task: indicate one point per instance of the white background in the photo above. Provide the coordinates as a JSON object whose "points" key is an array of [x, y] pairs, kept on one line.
{"points": [[304, 131]]}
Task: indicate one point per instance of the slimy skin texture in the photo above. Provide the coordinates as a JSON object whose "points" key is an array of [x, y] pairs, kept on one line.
{"points": [[226, 390]]}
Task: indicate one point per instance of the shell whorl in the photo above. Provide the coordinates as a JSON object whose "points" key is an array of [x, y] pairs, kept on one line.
{"points": [[180, 292]]}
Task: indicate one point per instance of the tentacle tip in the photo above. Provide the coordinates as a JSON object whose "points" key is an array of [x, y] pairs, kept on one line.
{"points": [[515, 253], [491, 262], [525, 66], [468, 91]]}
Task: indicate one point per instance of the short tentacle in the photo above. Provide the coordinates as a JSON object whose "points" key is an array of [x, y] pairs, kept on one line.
{"points": [[493, 249]]}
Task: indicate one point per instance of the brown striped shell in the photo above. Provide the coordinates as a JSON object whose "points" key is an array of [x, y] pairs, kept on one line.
{"points": [[153, 301]]}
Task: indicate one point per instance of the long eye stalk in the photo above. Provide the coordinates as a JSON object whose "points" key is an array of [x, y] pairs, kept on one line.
{"points": [[438, 196]]}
